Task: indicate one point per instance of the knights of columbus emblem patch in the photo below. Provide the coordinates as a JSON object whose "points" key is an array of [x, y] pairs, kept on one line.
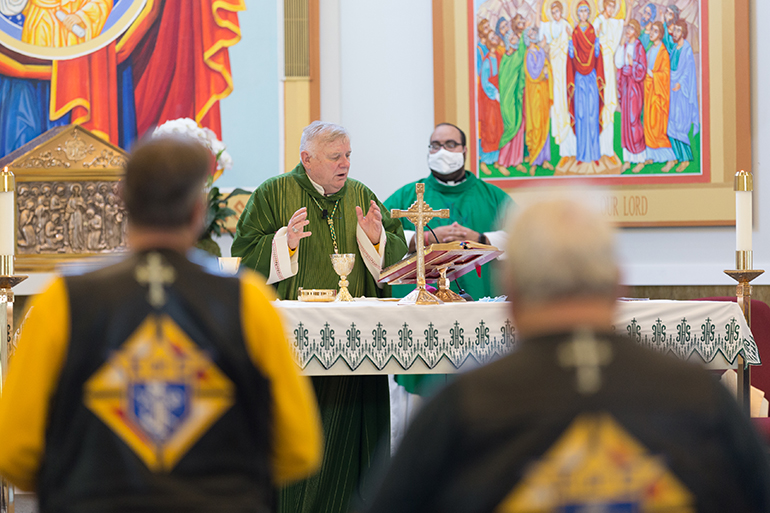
{"points": [[159, 393], [596, 465]]}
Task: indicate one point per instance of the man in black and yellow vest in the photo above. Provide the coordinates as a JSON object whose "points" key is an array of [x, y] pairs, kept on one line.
{"points": [[157, 384]]}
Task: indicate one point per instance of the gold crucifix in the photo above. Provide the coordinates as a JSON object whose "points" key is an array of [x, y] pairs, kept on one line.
{"points": [[420, 214], [155, 273]]}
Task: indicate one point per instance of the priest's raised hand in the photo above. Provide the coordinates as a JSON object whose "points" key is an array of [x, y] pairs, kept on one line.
{"points": [[294, 230], [371, 223]]}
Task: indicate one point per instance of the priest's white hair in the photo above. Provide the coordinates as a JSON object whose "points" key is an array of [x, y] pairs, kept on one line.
{"points": [[321, 132], [561, 249]]}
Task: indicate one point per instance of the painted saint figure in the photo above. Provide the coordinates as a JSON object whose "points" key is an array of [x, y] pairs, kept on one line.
{"points": [[59, 23], [512, 83], [490, 119], [585, 86], [649, 13], [683, 110], [670, 17], [631, 60], [609, 31], [538, 101], [557, 33], [657, 94]]}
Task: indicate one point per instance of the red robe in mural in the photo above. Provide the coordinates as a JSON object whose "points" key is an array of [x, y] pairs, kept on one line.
{"points": [[181, 68], [490, 119]]}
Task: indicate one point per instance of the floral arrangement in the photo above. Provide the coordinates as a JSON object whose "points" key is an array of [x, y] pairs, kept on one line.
{"points": [[218, 211], [189, 128]]}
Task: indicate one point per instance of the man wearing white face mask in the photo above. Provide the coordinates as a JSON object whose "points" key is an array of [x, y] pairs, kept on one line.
{"points": [[476, 209]]}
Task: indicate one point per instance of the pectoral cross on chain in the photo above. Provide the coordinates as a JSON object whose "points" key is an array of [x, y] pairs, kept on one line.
{"points": [[587, 355], [420, 214], [155, 273]]}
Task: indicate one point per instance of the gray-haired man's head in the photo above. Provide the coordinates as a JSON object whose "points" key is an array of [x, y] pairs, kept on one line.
{"points": [[324, 151], [560, 250]]}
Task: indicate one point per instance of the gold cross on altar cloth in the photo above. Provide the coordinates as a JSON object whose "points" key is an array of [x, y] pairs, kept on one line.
{"points": [[155, 273], [420, 214], [587, 355]]}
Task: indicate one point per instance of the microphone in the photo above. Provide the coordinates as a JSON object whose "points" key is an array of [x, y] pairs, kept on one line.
{"points": [[324, 214]]}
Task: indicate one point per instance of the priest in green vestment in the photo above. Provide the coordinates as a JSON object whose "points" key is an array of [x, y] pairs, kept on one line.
{"points": [[477, 212], [290, 226]]}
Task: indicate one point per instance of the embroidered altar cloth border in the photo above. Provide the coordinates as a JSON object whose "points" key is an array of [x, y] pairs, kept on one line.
{"points": [[379, 337]]}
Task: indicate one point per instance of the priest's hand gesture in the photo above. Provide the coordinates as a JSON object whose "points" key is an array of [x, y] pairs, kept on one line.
{"points": [[371, 223], [294, 230]]}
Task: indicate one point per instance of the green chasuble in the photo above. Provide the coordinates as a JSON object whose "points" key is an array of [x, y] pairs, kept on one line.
{"points": [[272, 205], [512, 81], [472, 203], [354, 409]]}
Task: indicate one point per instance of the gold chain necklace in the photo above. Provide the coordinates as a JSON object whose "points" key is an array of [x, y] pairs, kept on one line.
{"points": [[329, 220]]}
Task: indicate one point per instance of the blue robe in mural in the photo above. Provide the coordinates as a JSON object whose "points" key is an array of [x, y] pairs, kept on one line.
{"points": [[683, 108]]}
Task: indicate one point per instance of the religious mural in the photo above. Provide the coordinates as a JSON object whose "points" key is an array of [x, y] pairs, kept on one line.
{"points": [[588, 88], [117, 67]]}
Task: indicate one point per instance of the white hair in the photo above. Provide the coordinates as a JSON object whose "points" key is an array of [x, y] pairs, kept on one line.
{"points": [[320, 132], [561, 249]]}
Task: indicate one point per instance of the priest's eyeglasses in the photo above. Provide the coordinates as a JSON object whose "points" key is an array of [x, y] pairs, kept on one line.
{"points": [[450, 145]]}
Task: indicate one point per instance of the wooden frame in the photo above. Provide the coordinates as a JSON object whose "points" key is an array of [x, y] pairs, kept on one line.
{"points": [[705, 199]]}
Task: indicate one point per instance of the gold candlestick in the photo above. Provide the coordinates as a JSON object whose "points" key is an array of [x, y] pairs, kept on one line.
{"points": [[744, 274]]}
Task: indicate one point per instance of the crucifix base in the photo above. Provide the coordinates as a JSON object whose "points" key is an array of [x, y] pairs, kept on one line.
{"points": [[420, 296]]}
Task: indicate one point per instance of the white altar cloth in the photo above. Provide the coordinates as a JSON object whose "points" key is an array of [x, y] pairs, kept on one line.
{"points": [[369, 336]]}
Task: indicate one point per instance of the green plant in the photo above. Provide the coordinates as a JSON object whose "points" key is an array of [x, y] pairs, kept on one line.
{"points": [[216, 219]]}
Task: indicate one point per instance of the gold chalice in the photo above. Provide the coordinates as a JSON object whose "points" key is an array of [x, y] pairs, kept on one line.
{"points": [[343, 264]]}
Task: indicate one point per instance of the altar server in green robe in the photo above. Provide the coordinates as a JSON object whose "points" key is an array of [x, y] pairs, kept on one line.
{"points": [[290, 226], [477, 212]]}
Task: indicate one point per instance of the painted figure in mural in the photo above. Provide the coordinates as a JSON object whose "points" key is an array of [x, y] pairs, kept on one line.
{"points": [[538, 101], [649, 13], [670, 17], [683, 110], [557, 32], [512, 83], [631, 61], [585, 86], [504, 32], [59, 23], [490, 119], [609, 31], [657, 93]]}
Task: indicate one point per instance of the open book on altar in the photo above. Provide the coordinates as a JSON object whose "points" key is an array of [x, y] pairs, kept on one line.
{"points": [[458, 258]]}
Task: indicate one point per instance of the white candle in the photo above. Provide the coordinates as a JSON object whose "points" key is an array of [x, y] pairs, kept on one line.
{"points": [[743, 216], [7, 223]]}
